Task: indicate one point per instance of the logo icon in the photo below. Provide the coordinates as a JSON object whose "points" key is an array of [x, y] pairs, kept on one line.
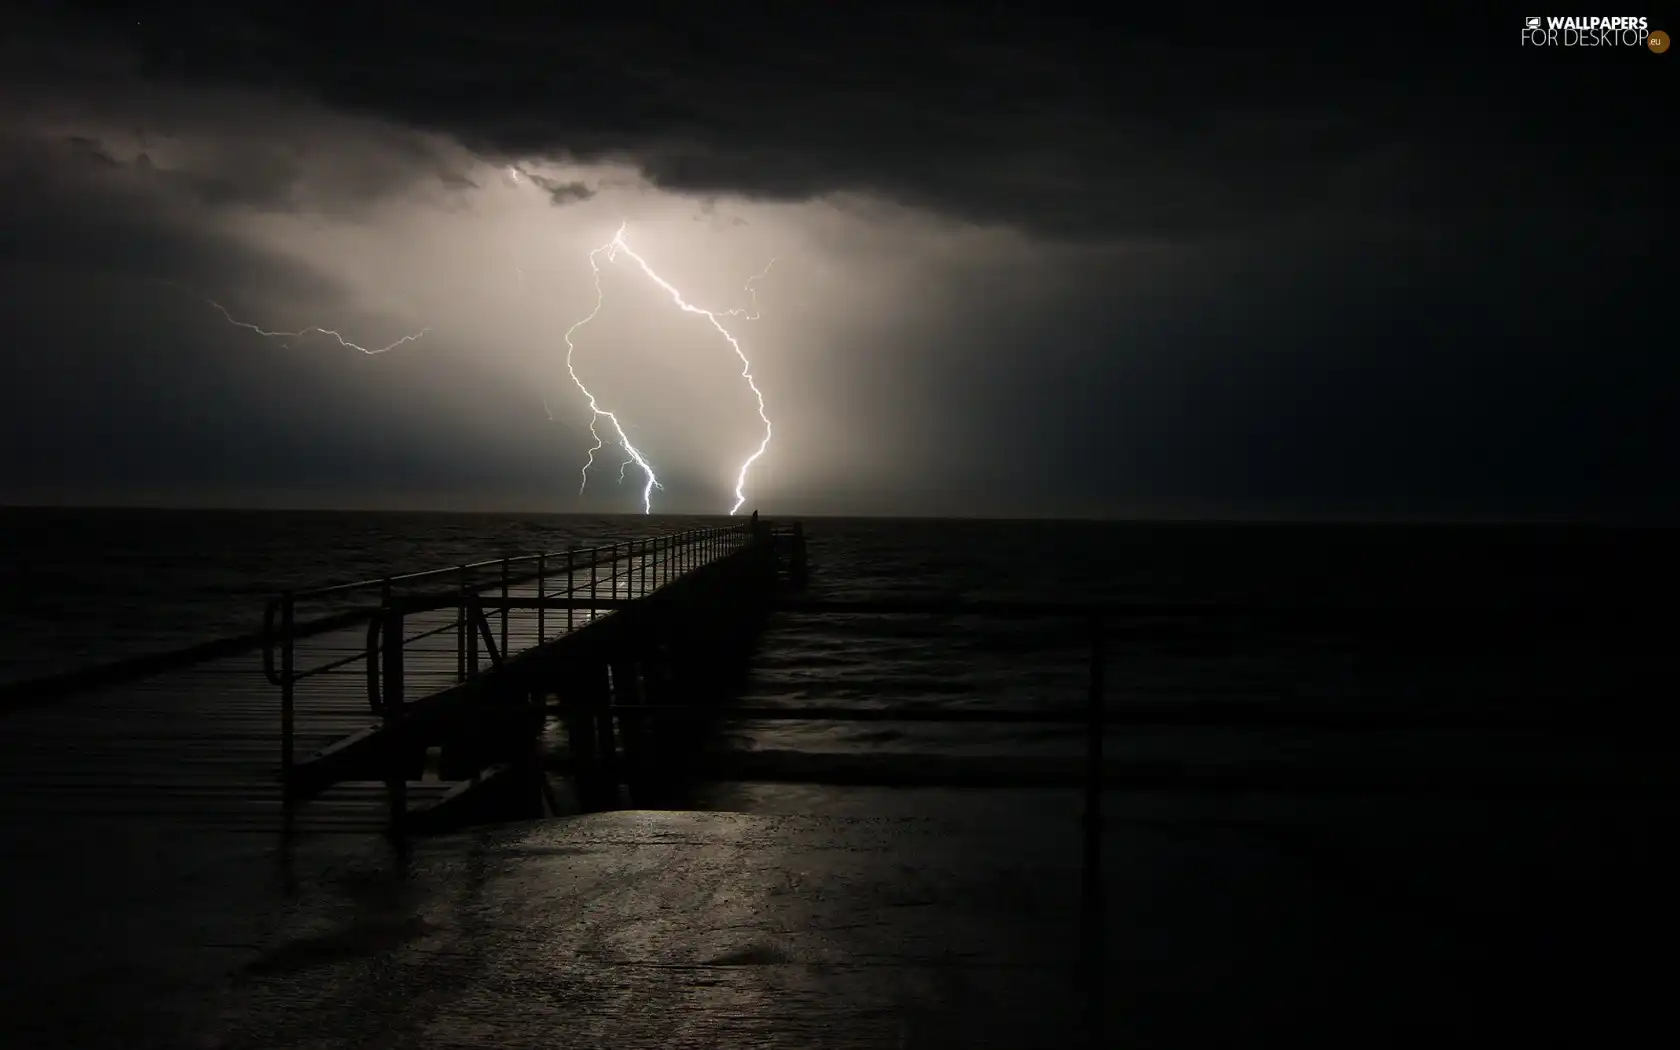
{"points": [[1657, 41], [1533, 23]]}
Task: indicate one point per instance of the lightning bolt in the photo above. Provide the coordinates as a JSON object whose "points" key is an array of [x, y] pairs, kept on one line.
{"points": [[613, 249], [300, 333], [752, 293], [596, 412]]}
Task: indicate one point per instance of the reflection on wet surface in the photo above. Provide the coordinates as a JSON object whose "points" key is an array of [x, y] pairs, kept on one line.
{"points": [[721, 929]]}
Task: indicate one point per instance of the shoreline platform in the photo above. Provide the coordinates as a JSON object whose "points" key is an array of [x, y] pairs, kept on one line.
{"points": [[639, 928]]}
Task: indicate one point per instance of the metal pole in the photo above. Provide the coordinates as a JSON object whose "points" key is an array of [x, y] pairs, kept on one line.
{"points": [[396, 777], [571, 569], [287, 687], [1093, 928], [594, 579], [461, 629], [504, 606], [472, 639], [542, 587], [1094, 759]]}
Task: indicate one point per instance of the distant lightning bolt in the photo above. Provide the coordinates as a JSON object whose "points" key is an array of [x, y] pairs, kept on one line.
{"points": [[614, 248], [596, 412], [300, 333], [752, 293]]}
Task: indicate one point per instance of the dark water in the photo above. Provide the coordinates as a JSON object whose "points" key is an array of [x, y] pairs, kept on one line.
{"points": [[82, 587], [1230, 910]]}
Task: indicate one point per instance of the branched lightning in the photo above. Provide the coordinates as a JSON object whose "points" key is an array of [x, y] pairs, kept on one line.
{"points": [[596, 412], [613, 249], [300, 333]]}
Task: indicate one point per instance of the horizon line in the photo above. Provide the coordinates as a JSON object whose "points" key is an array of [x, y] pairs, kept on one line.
{"points": [[1141, 518]]}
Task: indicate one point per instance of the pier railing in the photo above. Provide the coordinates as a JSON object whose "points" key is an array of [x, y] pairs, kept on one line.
{"points": [[585, 580]]}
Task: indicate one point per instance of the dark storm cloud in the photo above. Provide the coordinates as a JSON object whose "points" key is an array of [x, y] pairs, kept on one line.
{"points": [[1409, 266], [1079, 126], [561, 192], [77, 222]]}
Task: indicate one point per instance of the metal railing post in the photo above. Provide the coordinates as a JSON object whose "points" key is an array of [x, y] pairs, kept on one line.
{"points": [[1094, 758], [504, 606], [1092, 926], [461, 629], [288, 700], [391, 703], [594, 580], [472, 638], [542, 587], [571, 577]]}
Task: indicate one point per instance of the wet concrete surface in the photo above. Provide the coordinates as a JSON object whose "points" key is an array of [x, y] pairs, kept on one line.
{"points": [[686, 929]]}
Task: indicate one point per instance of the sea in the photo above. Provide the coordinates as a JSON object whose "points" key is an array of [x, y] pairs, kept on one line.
{"points": [[1229, 910], [85, 587]]}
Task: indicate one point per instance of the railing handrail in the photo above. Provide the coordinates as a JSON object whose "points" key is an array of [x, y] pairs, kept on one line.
{"points": [[581, 558], [597, 552], [408, 577]]}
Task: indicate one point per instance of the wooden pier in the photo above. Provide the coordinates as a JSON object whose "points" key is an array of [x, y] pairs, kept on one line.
{"points": [[670, 620], [294, 732]]}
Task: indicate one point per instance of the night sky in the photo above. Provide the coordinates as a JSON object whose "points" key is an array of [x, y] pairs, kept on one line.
{"points": [[1255, 266]]}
